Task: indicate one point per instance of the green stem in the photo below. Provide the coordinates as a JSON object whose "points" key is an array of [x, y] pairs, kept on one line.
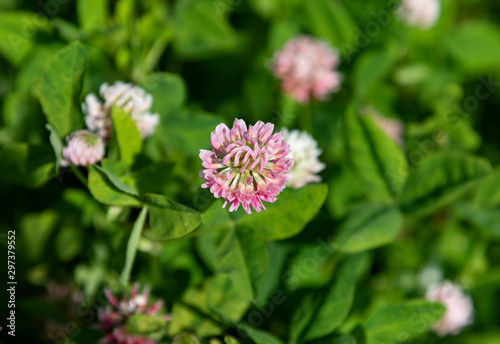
{"points": [[306, 118], [79, 175], [133, 243], [151, 59], [153, 56]]}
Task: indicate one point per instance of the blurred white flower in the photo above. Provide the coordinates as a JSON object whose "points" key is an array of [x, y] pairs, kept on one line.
{"points": [[132, 99], [430, 275], [459, 308], [146, 123], [96, 118], [420, 13], [305, 152], [83, 148]]}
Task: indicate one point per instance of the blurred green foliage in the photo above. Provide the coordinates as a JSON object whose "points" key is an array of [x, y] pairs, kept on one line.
{"points": [[345, 261]]}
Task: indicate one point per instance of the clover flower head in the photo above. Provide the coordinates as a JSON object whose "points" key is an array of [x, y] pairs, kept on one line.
{"points": [[146, 123], [83, 148], [307, 69], [113, 318], [246, 166], [132, 99], [459, 308], [305, 152], [420, 13]]}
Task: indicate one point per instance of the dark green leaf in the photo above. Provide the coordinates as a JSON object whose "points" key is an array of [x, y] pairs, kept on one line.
{"points": [[374, 157], [215, 218], [370, 69], [337, 303], [330, 20], [402, 322], [259, 336], [188, 131], [476, 44], [242, 256], [224, 299], [170, 220], [319, 317], [486, 220], [36, 230], [92, 14], [57, 145], [487, 193], [103, 190], [201, 29], [190, 314], [68, 243], [27, 165], [440, 179], [18, 31], [367, 227], [60, 88], [117, 182], [286, 217], [168, 91], [151, 179], [29, 75], [272, 279], [483, 338]]}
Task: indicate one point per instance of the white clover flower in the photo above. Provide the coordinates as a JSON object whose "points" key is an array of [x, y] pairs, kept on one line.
{"points": [[83, 148], [420, 13], [459, 308], [305, 152], [96, 118], [132, 99], [146, 123]]}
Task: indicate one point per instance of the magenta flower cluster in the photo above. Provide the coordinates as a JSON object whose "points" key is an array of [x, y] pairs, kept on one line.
{"points": [[114, 317], [246, 166]]}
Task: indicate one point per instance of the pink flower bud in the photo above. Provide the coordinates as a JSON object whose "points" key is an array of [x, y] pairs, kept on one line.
{"points": [[113, 318], [83, 148]]}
